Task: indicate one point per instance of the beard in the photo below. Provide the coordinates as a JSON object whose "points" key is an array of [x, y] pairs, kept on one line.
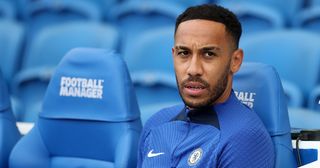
{"points": [[214, 92]]}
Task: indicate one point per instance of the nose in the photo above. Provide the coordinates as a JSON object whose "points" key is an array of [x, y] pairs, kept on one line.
{"points": [[195, 66]]}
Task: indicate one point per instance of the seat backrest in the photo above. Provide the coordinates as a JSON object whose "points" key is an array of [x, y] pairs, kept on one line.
{"points": [[315, 2], [308, 19], [186, 4], [287, 11], [11, 39], [9, 133], [52, 43], [151, 67], [7, 11], [90, 116], [146, 49], [255, 17], [258, 86], [45, 53], [133, 18], [293, 53], [104, 6], [41, 14]]}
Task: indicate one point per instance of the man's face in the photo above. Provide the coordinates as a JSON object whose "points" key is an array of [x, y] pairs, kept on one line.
{"points": [[203, 62]]}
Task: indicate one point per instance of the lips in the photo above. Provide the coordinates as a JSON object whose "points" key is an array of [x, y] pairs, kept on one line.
{"points": [[194, 88]]}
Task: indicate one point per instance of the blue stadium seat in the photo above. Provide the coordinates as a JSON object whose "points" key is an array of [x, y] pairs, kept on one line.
{"points": [[9, 133], [51, 44], [104, 5], [133, 18], [11, 39], [314, 99], [45, 53], [41, 14], [7, 11], [153, 46], [293, 93], [184, 3], [255, 17], [287, 8], [308, 19], [90, 116], [259, 86], [155, 87], [18, 9], [302, 118], [315, 2], [151, 67], [295, 54]]}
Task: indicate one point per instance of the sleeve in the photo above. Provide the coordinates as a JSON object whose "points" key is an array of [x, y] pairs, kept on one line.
{"points": [[248, 148], [158, 118], [143, 141], [141, 148]]}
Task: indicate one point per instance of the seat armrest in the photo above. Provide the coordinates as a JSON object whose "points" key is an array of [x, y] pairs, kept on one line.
{"points": [[25, 76]]}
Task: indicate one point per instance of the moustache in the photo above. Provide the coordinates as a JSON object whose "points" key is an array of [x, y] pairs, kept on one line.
{"points": [[195, 79]]}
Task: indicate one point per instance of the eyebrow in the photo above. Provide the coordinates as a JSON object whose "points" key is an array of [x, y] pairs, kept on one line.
{"points": [[181, 48], [210, 48], [207, 48]]}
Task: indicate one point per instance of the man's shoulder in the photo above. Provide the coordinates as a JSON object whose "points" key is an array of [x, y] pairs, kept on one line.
{"points": [[240, 119], [243, 136], [248, 127], [163, 116]]}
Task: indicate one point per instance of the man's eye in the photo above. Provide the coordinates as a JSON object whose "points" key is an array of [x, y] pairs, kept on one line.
{"points": [[209, 54], [183, 53]]}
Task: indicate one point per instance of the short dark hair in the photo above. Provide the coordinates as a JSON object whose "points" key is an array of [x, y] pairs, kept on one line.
{"points": [[214, 13]]}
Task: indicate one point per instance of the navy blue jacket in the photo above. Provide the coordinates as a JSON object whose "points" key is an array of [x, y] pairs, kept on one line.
{"points": [[225, 135]]}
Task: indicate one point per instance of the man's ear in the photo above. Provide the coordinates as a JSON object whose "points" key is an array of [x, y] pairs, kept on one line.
{"points": [[172, 51], [236, 60]]}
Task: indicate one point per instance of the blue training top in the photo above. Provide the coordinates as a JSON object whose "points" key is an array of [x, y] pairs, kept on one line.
{"points": [[228, 134]]}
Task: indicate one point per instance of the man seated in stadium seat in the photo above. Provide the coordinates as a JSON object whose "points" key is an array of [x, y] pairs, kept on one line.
{"points": [[213, 128]]}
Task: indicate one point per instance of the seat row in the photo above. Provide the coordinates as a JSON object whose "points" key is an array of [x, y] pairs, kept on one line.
{"points": [[255, 15], [22, 9], [28, 83], [131, 19], [304, 12], [90, 116]]}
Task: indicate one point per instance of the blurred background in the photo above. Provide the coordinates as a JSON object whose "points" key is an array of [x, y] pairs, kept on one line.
{"points": [[36, 34]]}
